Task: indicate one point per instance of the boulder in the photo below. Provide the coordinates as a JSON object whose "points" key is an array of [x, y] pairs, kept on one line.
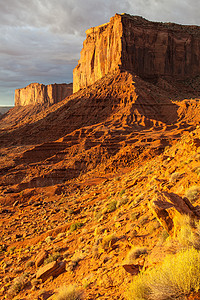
{"points": [[131, 268], [167, 206], [40, 258], [52, 269]]}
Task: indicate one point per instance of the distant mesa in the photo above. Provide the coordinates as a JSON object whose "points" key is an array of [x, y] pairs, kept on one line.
{"points": [[36, 93], [148, 49]]}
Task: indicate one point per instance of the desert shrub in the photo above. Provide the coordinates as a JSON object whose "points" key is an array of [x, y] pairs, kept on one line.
{"points": [[29, 264], [123, 200], [133, 216], [17, 285], [35, 282], [197, 157], [3, 248], [53, 257], [98, 215], [70, 292], [111, 206], [49, 239], [139, 198], [164, 235], [176, 277], [139, 289], [108, 240], [122, 192], [76, 226], [143, 220], [12, 249], [135, 253], [193, 193], [189, 234]]}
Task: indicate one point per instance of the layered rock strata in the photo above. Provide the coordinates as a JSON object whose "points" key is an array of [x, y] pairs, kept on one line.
{"points": [[36, 93], [148, 49]]}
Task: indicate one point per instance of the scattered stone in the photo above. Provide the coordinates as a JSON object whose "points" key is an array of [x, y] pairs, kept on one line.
{"points": [[132, 269], [40, 258], [52, 269], [15, 203]]}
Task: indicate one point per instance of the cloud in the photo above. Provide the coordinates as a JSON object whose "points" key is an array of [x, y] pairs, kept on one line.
{"points": [[40, 40]]}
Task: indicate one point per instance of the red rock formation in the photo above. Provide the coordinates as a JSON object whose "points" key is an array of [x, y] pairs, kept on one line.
{"points": [[36, 93], [51, 269], [149, 49], [169, 205]]}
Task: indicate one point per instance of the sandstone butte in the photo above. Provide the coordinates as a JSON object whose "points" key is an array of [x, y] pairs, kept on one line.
{"points": [[148, 49], [36, 93], [105, 184]]}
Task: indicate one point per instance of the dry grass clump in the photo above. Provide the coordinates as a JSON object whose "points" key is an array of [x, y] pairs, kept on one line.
{"points": [[122, 201], [52, 257], [177, 277], [135, 253], [189, 234], [76, 226], [70, 292], [17, 285], [108, 241], [175, 177], [193, 193], [110, 207]]}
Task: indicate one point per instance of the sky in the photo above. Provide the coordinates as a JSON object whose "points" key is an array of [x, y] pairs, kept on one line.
{"points": [[41, 40]]}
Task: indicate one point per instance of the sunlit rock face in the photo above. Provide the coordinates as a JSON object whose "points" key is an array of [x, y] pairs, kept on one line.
{"points": [[36, 93], [148, 49]]}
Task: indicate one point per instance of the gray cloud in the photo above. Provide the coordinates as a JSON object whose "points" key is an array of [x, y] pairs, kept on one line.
{"points": [[40, 40]]}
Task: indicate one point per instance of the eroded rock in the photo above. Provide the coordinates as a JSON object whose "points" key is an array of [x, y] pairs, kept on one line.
{"points": [[168, 206], [40, 258], [52, 269], [149, 49]]}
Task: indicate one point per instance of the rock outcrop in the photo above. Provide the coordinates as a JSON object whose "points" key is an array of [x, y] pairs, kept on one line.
{"points": [[168, 206], [148, 49], [36, 93], [51, 269]]}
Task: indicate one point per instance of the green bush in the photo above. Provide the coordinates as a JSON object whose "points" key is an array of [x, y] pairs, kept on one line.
{"points": [[76, 226], [111, 206], [122, 192], [52, 257], [177, 277]]}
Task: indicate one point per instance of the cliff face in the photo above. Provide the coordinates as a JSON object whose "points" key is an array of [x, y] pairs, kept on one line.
{"points": [[36, 93], [149, 49], [101, 53]]}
